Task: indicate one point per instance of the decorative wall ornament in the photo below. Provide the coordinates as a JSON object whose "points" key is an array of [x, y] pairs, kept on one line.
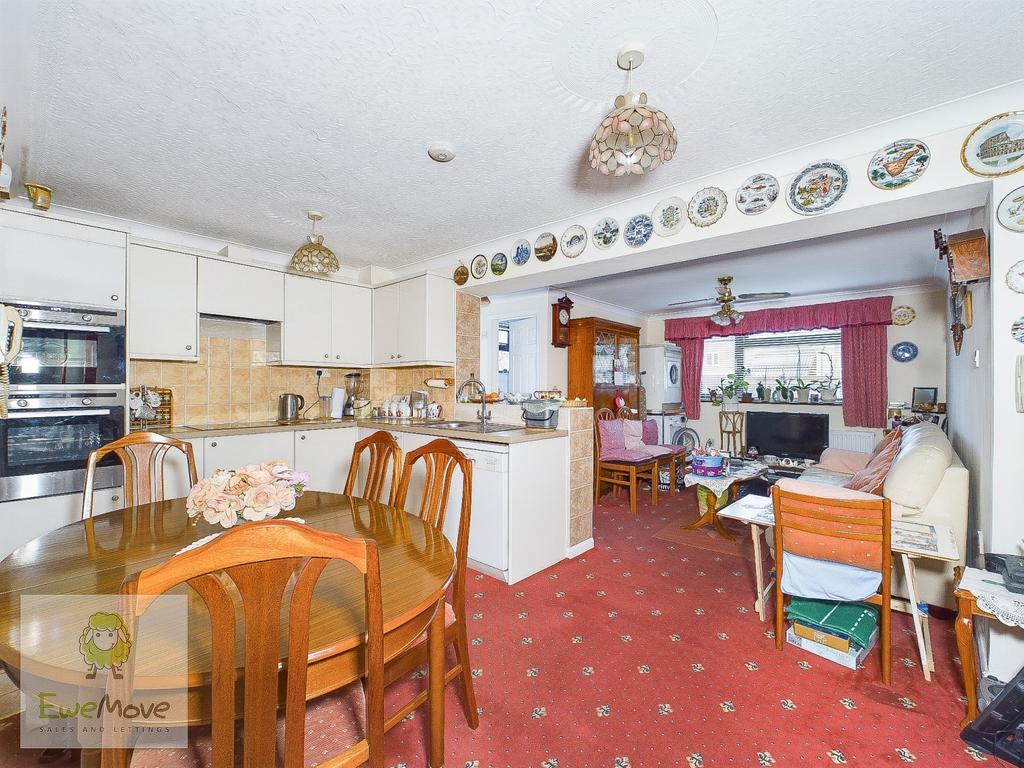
{"points": [[461, 276], [903, 315], [574, 240], [40, 196], [521, 250], [668, 216], [817, 187], [499, 263], [478, 266], [898, 164], [634, 138], [1015, 277], [1017, 329], [313, 257], [707, 206], [1010, 212], [757, 194], [903, 351], [638, 230], [5, 170], [605, 232], [546, 247], [996, 146]]}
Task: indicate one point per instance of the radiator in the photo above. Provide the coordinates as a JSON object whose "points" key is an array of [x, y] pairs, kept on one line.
{"points": [[862, 440]]}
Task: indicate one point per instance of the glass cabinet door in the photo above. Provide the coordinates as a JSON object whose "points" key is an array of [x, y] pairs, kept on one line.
{"points": [[605, 357], [628, 356]]}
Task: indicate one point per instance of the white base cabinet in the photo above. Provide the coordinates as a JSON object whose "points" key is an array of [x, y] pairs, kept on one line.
{"points": [[235, 451], [27, 519], [326, 454]]}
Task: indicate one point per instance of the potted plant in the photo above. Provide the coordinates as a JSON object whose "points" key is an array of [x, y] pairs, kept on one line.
{"points": [[734, 385], [801, 392], [783, 391], [828, 387], [762, 392]]}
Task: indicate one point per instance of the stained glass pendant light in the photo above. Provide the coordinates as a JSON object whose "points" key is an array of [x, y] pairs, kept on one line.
{"points": [[313, 256], [634, 137]]}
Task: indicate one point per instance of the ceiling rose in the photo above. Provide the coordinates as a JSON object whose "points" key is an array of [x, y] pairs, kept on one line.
{"points": [[634, 138]]}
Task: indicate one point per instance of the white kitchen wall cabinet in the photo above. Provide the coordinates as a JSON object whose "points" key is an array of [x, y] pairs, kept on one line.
{"points": [[233, 451], [240, 290], [325, 324], [51, 260], [414, 322], [326, 454], [163, 317]]}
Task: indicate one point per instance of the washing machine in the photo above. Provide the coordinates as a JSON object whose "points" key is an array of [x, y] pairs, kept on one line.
{"points": [[676, 432], [661, 371]]}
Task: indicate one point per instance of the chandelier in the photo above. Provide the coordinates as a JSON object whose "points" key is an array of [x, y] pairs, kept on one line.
{"points": [[726, 314], [634, 137], [313, 256]]}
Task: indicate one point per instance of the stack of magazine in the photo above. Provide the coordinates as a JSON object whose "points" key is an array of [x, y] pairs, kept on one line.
{"points": [[841, 632]]}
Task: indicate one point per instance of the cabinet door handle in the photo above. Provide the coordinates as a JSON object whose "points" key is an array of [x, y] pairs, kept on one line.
{"points": [[302, 437], [326, 356], [188, 346], [337, 357], [115, 498], [114, 297], [392, 357], [213, 444], [398, 356]]}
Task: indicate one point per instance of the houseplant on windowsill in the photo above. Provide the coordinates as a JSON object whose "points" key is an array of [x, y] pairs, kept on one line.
{"points": [[828, 387], [783, 391], [734, 385], [801, 391]]}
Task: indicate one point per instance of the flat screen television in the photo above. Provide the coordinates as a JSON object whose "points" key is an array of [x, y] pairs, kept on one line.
{"points": [[792, 435]]}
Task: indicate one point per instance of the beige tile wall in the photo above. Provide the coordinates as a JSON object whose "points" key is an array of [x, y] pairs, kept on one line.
{"points": [[581, 472], [467, 336], [387, 382]]}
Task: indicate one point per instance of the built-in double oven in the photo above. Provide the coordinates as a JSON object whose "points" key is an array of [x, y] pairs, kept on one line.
{"points": [[67, 398]]}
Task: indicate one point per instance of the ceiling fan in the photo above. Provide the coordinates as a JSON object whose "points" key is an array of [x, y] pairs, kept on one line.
{"points": [[725, 295]]}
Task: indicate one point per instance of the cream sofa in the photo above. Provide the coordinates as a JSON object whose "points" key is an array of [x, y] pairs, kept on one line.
{"points": [[926, 483]]}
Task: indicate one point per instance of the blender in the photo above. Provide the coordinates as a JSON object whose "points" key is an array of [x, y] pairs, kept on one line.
{"points": [[353, 383]]}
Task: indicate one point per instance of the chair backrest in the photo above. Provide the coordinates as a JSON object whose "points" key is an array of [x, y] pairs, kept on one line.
{"points": [[603, 414], [263, 560], [441, 458], [626, 412], [854, 531], [384, 453], [730, 430], [142, 454]]}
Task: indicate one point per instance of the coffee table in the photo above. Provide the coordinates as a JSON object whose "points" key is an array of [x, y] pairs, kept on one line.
{"points": [[713, 493]]}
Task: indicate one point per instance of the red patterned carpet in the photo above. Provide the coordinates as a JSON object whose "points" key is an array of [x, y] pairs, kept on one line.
{"points": [[646, 653]]}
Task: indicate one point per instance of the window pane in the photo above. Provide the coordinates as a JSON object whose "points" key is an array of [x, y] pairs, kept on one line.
{"points": [[813, 356]]}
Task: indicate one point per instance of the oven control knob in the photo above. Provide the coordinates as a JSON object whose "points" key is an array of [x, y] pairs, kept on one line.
{"points": [[86, 401], [23, 312], [87, 318], [23, 403]]}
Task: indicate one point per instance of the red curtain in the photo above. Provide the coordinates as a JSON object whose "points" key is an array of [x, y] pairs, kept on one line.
{"points": [[864, 349]]}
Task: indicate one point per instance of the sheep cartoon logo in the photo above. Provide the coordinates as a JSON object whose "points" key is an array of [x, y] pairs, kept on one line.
{"points": [[105, 644]]}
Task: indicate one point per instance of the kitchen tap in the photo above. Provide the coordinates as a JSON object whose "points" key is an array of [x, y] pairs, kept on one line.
{"points": [[482, 414]]}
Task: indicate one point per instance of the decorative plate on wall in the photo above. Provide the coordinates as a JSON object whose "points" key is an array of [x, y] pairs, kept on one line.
{"points": [[1010, 212], [898, 164], [638, 230], [546, 247], [707, 206], [903, 351], [817, 187], [1015, 277], [605, 232], [757, 194], [996, 146], [903, 315], [478, 266], [499, 263], [574, 240], [461, 274], [1017, 329], [521, 251], [668, 216]]}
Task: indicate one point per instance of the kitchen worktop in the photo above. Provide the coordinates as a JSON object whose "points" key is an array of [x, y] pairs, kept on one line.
{"points": [[417, 426]]}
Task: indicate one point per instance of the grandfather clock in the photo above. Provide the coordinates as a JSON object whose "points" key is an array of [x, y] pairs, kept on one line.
{"points": [[560, 322]]}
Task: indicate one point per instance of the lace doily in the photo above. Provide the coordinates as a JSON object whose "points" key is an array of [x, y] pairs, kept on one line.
{"points": [[1009, 612]]}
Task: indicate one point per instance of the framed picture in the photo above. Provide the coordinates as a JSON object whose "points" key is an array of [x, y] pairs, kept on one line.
{"points": [[925, 398]]}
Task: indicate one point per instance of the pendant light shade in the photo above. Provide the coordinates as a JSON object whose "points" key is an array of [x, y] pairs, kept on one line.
{"points": [[313, 257], [634, 138]]}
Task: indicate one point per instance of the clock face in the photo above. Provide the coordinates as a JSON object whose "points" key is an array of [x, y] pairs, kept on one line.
{"points": [[563, 316]]}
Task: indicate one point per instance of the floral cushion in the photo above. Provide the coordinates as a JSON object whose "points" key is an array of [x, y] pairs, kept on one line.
{"points": [[612, 437], [623, 455]]}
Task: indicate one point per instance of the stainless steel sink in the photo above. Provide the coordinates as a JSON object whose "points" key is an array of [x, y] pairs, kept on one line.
{"points": [[476, 426]]}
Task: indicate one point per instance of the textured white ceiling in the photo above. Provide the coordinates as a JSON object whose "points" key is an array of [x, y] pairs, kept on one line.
{"points": [[231, 118], [893, 256]]}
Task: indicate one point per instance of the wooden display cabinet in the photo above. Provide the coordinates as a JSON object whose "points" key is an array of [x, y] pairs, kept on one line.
{"points": [[604, 360]]}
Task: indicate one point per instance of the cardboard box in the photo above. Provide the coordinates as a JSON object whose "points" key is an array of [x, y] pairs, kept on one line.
{"points": [[853, 659], [816, 635]]}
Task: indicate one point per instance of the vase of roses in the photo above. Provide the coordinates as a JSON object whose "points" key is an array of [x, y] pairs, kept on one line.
{"points": [[253, 492]]}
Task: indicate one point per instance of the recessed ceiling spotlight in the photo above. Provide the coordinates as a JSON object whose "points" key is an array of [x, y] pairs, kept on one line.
{"points": [[441, 152]]}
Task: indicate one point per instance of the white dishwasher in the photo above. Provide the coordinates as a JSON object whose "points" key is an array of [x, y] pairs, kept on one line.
{"points": [[488, 526]]}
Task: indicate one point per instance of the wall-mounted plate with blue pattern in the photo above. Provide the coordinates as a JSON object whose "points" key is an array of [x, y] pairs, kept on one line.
{"points": [[638, 230], [903, 351]]}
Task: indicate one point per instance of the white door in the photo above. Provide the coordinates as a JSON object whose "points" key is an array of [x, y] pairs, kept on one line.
{"points": [[412, 320], [163, 319], [385, 324], [351, 315], [522, 346], [233, 451], [306, 332], [57, 261], [326, 454]]}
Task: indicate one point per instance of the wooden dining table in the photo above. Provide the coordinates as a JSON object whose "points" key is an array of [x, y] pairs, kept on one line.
{"points": [[417, 564]]}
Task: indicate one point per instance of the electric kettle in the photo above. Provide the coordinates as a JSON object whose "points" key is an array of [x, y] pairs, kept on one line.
{"points": [[289, 407]]}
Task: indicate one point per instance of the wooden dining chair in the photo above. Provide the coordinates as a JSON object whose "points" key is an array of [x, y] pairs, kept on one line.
{"points": [[262, 565], [441, 458], [730, 431], [385, 454], [625, 412], [142, 455], [620, 471], [838, 526], [603, 414]]}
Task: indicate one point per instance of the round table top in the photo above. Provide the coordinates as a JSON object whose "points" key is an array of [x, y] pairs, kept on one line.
{"points": [[94, 556]]}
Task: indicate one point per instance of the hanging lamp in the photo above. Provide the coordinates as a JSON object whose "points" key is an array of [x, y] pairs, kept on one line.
{"points": [[726, 314], [313, 257], [634, 138]]}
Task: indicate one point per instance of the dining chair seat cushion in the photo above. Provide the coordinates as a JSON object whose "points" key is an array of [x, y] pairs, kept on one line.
{"points": [[650, 432], [826, 580], [673, 448], [622, 456]]}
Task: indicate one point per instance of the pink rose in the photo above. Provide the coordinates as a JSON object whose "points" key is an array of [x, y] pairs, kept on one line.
{"points": [[222, 509], [237, 485], [285, 495], [261, 502], [279, 469], [256, 475], [299, 478], [200, 496]]}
